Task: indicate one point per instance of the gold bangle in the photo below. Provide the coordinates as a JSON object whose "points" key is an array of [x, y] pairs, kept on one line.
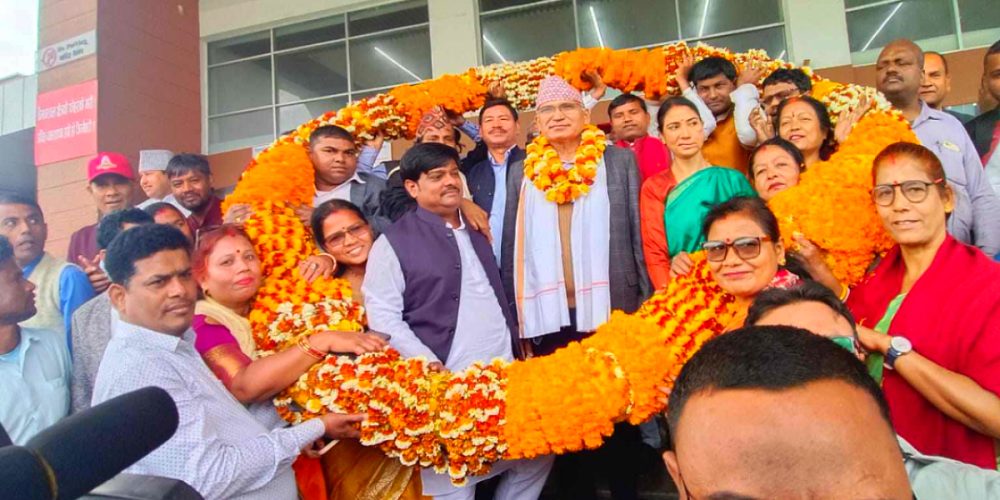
{"points": [[303, 344], [844, 293]]}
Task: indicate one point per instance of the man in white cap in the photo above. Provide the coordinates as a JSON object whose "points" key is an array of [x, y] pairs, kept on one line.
{"points": [[572, 252], [153, 179]]}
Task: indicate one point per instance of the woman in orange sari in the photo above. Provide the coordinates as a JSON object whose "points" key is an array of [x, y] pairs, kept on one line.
{"points": [[353, 471], [228, 271]]}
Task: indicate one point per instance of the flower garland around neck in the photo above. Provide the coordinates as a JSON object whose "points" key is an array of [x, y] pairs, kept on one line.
{"points": [[544, 168]]}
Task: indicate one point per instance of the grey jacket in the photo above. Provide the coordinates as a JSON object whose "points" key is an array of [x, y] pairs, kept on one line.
{"points": [[630, 284], [366, 197], [91, 331]]}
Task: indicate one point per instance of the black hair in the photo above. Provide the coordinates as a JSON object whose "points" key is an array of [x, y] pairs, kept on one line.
{"points": [[155, 208], [425, 157], [795, 76], [183, 163], [458, 139], [944, 62], [711, 67], [492, 103], [111, 225], [752, 207], [6, 250], [394, 201], [770, 358], [994, 49], [783, 144], [330, 131], [624, 99], [829, 143], [11, 198], [671, 103], [324, 210], [139, 243], [808, 291]]}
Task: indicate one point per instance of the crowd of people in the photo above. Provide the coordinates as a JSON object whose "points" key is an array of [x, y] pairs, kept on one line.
{"points": [[887, 389]]}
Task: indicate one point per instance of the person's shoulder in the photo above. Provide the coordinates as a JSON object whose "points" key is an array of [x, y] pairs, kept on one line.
{"points": [[84, 231], [370, 178]]}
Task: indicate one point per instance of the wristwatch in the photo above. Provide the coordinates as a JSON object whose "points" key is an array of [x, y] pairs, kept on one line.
{"points": [[898, 346]]}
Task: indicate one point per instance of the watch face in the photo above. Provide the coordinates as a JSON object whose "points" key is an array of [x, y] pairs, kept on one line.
{"points": [[901, 344]]}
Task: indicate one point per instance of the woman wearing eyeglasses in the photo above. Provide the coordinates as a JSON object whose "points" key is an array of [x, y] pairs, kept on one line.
{"points": [[352, 470], [673, 202], [744, 252], [932, 309]]}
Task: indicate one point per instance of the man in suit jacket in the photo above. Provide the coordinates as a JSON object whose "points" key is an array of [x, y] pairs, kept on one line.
{"points": [[985, 128], [487, 178], [334, 156], [566, 265]]}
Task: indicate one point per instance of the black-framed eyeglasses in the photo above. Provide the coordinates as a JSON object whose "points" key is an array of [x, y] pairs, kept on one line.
{"points": [[337, 239], [746, 248], [914, 191]]}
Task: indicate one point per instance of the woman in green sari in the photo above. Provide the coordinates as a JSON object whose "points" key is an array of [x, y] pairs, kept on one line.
{"points": [[674, 202]]}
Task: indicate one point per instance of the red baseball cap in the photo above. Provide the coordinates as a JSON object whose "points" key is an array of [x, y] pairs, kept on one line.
{"points": [[109, 163]]}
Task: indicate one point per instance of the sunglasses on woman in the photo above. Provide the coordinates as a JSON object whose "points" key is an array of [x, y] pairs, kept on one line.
{"points": [[746, 248], [914, 191]]}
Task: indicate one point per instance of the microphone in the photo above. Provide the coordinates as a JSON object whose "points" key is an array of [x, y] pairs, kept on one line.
{"points": [[86, 449]]}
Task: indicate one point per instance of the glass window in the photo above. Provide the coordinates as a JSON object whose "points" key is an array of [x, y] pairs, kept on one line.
{"points": [[529, 32], [387, 17], [240, 131], [980, 21], [248, 98], [240, 47], [620, 24], [488, 5], [291, 116], [770, 39], [929, 21], [309, 33], [700, 18], [310, 73], [239, 86], [390, 59]]}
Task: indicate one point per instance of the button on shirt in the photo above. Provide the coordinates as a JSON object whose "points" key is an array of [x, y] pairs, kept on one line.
{"points": [[34, 384], [977, 222], [499, 199], [480, 331], [341, 192], [220, 448]]}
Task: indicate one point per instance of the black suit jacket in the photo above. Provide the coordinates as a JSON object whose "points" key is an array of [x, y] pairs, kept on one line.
{"points": [[366, 196], [980, 129]]}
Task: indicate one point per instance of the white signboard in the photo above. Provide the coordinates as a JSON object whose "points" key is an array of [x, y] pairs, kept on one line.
{"points": [[67, 50]]}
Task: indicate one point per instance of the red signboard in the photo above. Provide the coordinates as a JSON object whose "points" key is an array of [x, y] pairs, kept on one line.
{"points": [[66, 123]]}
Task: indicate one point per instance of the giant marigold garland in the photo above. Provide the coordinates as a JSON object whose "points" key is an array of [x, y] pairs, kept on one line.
{"points": [[544, 169], [460, 423]]}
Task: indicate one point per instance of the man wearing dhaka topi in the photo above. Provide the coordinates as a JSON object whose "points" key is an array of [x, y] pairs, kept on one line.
{"points": [[571, 253]]}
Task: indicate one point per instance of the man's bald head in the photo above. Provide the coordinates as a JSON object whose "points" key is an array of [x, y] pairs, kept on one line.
{"points": [[899, 72]]}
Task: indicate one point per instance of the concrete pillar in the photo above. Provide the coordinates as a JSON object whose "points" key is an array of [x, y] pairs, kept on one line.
{"points": [[454, 26], [817, 30]]}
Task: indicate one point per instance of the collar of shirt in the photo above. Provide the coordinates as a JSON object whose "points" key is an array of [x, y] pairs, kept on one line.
{"points": [[16, 355], [354, 178], [506, 157], [145, 337], [926, 113], [461, 223], [30, 268]]}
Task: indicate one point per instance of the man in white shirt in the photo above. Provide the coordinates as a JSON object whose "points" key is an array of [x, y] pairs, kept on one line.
{"points": [[220, 448], [433, 285], [34, 362]]}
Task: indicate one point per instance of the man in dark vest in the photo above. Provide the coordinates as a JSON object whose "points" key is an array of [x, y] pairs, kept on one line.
{"points": [[433, 285]]}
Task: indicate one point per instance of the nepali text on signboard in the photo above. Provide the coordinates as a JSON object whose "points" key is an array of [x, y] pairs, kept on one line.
{"points": [[67, 50], [66, 123]]}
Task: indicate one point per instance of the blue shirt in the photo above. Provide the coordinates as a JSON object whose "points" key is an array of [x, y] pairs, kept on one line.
{"points": [[976, 222], [34, 384], [74, 290], [499, 206]]}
